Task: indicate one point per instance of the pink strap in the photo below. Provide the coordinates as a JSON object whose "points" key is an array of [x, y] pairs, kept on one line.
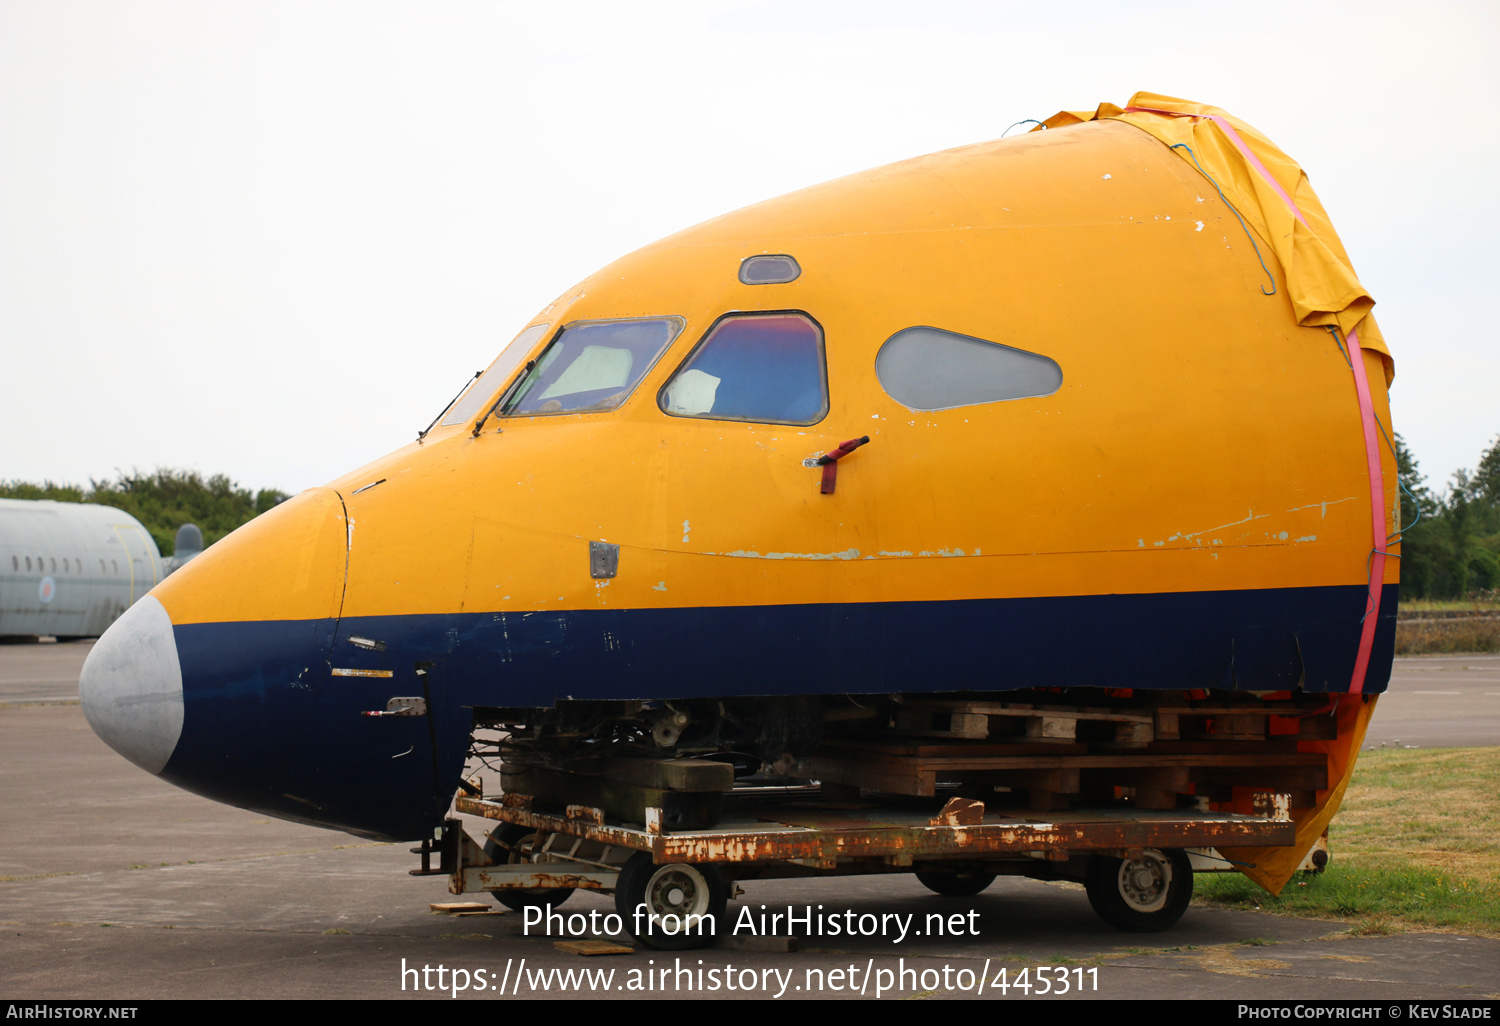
{"points": [[1239, 144], [1366, 414], [1377, 515]]}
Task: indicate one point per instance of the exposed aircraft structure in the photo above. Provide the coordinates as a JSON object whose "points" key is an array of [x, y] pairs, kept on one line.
{"points": [[70, 569], [188, 544], [1070, 439]]}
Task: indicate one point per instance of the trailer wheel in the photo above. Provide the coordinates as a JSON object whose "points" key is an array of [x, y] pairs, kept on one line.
{"points": [[1141, 895], [509, 845], [956, 885], [684, 904]]}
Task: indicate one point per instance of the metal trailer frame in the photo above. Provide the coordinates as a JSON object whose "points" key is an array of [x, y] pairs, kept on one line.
{"points": [[578, 849]]}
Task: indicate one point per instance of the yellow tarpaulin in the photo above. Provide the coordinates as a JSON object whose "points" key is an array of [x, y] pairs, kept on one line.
{"points": [[1323, 287]]}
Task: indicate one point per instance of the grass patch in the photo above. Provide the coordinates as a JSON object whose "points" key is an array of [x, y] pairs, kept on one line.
{"points": [[1470, 605], [1459, 634], [1417, 843]]}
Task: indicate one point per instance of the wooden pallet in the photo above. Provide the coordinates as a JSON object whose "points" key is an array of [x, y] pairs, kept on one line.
{"points": [[998, 720], [1051, 777], [1239, 722]]}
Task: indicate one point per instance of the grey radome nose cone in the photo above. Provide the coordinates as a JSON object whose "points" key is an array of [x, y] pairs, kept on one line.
{"points": [[131, 686]]}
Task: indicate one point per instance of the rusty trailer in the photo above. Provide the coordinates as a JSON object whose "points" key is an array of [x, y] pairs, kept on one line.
{"points": [[671, 885]]}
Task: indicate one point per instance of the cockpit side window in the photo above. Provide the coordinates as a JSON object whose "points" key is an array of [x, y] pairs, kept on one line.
{"points": [[767, 368], [498, 374], [931, 369], [592, 366]]}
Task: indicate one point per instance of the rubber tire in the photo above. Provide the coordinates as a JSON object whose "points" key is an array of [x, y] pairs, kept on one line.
{"points": [[707, 895], [1158, 908], [956, 885], [500, 847]]}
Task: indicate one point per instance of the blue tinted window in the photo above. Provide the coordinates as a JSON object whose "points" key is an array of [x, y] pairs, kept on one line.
{"points": [[760, 367], [592, 366]]}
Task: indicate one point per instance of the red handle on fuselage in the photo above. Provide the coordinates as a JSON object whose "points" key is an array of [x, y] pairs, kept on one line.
{"points": [[830, 465]]}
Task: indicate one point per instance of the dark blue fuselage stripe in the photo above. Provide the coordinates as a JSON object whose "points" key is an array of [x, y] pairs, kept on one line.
{"points": [[267, 727]]}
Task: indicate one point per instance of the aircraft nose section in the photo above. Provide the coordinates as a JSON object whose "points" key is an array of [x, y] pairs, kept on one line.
{"points": [[131, 686]]}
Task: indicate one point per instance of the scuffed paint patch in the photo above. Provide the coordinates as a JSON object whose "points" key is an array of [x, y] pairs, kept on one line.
{"points": [[1322, 507], [686, 527], [1308, 537], [747, 554], [889, 552], [1140, 543], [659, 586], [1200, 226], [1107, 178], [1188, 535]]}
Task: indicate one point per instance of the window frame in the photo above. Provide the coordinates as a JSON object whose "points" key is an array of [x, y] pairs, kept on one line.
{"points": [[661, 393], [511, 393], [449, 418], [884, 388]]}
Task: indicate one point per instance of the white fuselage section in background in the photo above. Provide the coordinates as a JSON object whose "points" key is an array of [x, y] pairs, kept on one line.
{"points": [[70, 569]]}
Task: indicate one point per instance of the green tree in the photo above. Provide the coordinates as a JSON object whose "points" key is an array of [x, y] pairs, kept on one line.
{"points": [[163, 500], [1422, 539]]}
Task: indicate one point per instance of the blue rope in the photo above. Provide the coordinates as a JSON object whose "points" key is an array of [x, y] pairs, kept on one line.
{"points": [[1236, 213], [1334, 331], [1023, 121]]}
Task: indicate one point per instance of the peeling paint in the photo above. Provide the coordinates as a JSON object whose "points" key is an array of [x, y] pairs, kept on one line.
{"points": [[746, 554], [1200, 226], [1140, 543], [659, 586], [1308, 537], [1322, 507], [685, 528], [1106, 178], [888, 552], [1250, 516]]}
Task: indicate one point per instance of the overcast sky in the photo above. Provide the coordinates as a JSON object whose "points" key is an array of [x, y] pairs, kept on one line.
{"points": [[271, 239]]}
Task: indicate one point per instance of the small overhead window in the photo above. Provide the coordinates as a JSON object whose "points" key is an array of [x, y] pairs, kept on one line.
{"points": [[767, 368], [592, 366], [931, 369], [769, 270], [498, 374], [28, 564]]}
